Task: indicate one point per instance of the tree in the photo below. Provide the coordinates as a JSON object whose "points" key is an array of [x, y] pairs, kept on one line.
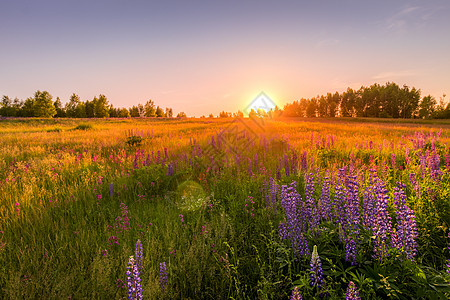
{"points": [[124, 113], [134, 112], [149, 109], [141, 110], [101, 107], [239, 114], [181, 115], [60, 113], [322, 107], [43, 105], [427, 107], [224, 114], [113, 112], [160, 112], [311, 109], [89, 107], [252, 113], [6, 108], [169, 112], [347, 104], [71, 107]]}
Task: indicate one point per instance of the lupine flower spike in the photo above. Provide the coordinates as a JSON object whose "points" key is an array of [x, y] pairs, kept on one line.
{"points": [[133, 281], [352, 292], [138, 252], [296, 295], [163, 277], [316, 269]]}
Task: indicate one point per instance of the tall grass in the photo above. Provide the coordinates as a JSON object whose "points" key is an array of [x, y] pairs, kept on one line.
{"points": [[73, 203]]}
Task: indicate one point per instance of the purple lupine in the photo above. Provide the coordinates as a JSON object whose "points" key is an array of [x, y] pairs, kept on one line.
{"points": [[325, 201], [135, 163], [352, 292], [352, 205], [170, 169], [270, 193], [250, 173], [296, 295], [368, 211], [316, 270], [310, 203], [294, 162], [304, 161], [295, 223], [138, 252], [286, 165], [352, 219], [394, 161], [339, 212], [274, 188], [133, 280], [382, 226], [350, 251], [415, 184], [163, 277], [406, 231], [111, 190]]}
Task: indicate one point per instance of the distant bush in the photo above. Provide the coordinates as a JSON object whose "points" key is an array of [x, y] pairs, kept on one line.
{"points": [[84, 127], [56, 129], [134, 140]]}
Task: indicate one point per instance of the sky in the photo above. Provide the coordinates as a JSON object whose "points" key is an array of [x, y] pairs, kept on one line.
{"points": [[203, 57]]}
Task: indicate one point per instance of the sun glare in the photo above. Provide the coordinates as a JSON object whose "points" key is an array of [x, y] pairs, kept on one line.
{"points": [[262, 101]]}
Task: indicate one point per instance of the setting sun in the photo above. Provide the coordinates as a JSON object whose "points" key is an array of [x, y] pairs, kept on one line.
{"points": [[262, 101]]}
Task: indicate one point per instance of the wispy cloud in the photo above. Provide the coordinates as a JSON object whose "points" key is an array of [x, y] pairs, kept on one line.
{"points": [[327, 43], [402, 18], [395, 74]]}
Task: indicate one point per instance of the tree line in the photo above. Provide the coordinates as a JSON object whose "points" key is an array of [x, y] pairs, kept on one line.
{"points": [[375, 101], [42, 105]]}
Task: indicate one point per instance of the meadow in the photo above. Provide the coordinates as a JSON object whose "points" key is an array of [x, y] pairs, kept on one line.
{"points": [[224, 209]]}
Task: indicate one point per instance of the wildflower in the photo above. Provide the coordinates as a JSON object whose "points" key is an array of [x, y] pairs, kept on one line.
{"points": [[382, 226], [325, 200], [350, 251], [316, 270], [111, 190], [17, 204], [138, 251], [163, 277], [352, 292], [133, 280], [296, 295], [295, 223], [406, 231]]}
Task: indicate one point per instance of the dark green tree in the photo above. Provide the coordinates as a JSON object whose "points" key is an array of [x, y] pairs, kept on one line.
{"points": [[89, 107], [43, 105], [71, 107], [60, 112], [427, 107], [101, 107]]}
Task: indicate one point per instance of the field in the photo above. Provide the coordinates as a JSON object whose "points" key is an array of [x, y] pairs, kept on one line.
{"points": [[224, 208]]}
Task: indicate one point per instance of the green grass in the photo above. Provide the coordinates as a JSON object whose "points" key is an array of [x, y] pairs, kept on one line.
{"points": [[59, 217]]}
